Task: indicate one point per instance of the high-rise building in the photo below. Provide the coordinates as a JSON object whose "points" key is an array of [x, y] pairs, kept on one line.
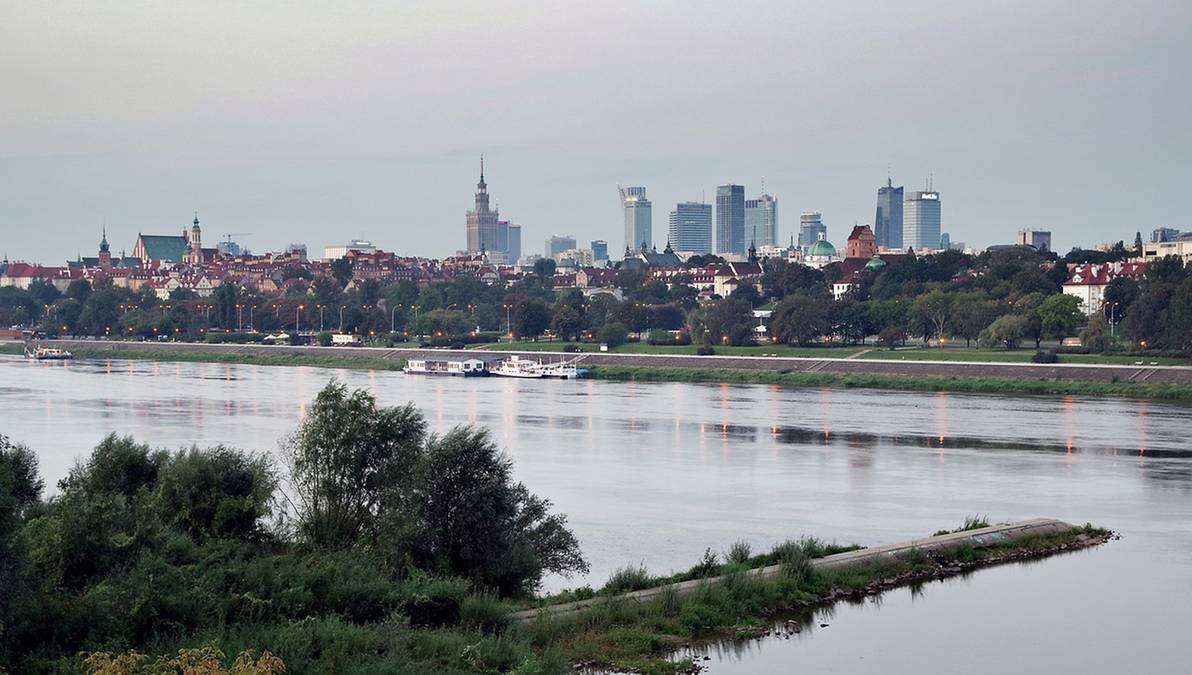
{"points": [[599, 250], [1162, 234], [513, 253], [761, 221], [730, 219], [945, 241], [638, 219], [921, 220], [811, 226], [557, 244], [887, 224], [1040, 239], [690, 227], [482, 226]]}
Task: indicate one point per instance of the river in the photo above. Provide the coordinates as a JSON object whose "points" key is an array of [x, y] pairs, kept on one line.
{"points": [[656, 472]]}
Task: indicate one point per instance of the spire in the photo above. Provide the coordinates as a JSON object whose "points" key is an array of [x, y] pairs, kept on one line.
{"points": [[482, 186], [196, 221]]}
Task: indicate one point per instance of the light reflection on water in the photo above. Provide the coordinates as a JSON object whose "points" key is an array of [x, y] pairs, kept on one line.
{"points": [[656, 472]]}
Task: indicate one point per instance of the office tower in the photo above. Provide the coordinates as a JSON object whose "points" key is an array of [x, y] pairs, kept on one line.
{"points": [[637, 208], [690, 227], [730, 219], [761, 221], [599, 250], [1040, 239], [811, 226], [945, 241], [887, 224], [482, 221], [1163, 234], [557, 244], [513, 253], [921, 220]]}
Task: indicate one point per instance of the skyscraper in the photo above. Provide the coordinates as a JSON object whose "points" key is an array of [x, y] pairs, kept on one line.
{"points": [[638, 220], [599, 250], [513, 253], [557, 244], [730, 219], [887, 224], [922, 220], [482, 222], [811, 226], [761, 221], [691, 227]]}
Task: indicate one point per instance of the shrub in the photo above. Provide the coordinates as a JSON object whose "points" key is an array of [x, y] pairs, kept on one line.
{"points": [[891, 337], [707, 566], [324, 339], [614, 334], [571, 348], [434, 602], [705, 350], [1045, 357], [485, 613], [628, 579], [739, 552]]}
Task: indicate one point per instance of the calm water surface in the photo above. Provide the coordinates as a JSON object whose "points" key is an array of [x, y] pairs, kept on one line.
{"points": [[656, 473]]}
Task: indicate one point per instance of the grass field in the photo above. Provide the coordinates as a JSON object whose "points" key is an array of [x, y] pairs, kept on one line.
{"points": [[1016, 356], [249, 359], [689, 350]]}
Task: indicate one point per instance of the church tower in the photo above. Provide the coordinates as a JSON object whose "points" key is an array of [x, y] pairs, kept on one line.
{"points": [[105, 251], [196, 241]]}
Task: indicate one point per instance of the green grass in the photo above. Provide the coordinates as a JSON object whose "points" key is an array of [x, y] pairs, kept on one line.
{"points": [[311, 360], [1015, 356], [984, 385]]}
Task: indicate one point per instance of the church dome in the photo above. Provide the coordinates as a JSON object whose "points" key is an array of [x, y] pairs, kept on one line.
{"points": [[822, 248], [875, 264]]}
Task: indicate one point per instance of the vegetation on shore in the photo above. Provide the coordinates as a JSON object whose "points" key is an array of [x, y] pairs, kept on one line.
{"points": [[313, 360], [964, 384]]}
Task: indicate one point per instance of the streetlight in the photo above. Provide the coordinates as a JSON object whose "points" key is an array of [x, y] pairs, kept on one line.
{"points": [[393, 320], [341, 319], [297, 309], [321, 308], [239, 318]]}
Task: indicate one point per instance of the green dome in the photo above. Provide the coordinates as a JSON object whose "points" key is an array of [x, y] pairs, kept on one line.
{"points": [[875, 263], [822, 248]]}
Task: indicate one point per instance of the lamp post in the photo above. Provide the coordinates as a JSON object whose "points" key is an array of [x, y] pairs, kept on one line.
{"points": [[321, 308], [393, 320], [508, 319], [1112, 321], [239, 317], [297, 309], [341, 319]]}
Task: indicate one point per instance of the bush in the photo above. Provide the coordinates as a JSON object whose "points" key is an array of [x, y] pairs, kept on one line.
{"points": [[485, 613], [324, 339], [739, 552], [1045, 357], [571, 348], [705, 350], [665, 337], [434, 602], [628, 579], [891, 337]]}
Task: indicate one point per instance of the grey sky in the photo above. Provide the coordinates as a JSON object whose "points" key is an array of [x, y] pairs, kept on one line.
{"points": [[318, 122]]}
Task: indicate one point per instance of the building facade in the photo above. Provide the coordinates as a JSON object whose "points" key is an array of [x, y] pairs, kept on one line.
{"points": [[638, 218], [761, 221], [690, 227], [1040, 239], [811, 228], [730, 219], [887, 224], [861, 243], [921, 213], [482, 220], [558, 243], [599, 250]]}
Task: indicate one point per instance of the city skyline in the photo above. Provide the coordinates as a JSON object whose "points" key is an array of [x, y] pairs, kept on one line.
{"points": [[311, 145]]}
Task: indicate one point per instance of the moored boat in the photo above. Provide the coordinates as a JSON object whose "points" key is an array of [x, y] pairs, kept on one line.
{"points": [[464, 368], [48, 354]]}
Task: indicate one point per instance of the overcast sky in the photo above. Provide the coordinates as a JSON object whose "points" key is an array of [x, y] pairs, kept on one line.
{"points": [[296, 122]]}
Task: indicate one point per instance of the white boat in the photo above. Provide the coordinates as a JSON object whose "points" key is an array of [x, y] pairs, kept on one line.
{"points": [[465, 368], [48, 354], [516, 366]]}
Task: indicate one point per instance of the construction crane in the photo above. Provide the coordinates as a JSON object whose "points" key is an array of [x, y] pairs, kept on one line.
{"points": [[228, 237]]}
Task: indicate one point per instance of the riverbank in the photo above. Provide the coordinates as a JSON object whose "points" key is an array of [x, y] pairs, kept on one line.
{"points": [[1143, 382]]}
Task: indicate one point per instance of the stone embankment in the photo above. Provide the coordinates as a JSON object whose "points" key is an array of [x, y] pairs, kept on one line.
{"points": [[1020, 371]]}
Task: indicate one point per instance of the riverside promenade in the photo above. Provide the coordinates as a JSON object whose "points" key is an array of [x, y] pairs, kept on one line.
{"points": [[1151, 374]]}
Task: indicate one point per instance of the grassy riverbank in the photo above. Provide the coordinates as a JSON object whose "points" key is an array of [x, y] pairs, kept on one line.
{"points": [[983, 385], [280, 359], [622, 634]]}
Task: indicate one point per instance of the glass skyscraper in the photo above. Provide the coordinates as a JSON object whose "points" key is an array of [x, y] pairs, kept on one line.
{"points": [[761, 221], [691, 227], [887, 224], [638, 219], [922, 220], [730, 219], [811, 226]]}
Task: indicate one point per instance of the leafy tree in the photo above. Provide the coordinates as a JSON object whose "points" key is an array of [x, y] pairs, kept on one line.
{"points": [[117, 466], [479, 524], [971, 314], [723, 322], [18, 466], [891, 337], [544, 268], [613, 334], [747, 293], [342, 270], [931, 312], [628, 280], [216, 492], [1096, 337], [349, 462], [566, 323], [1060, 315], [1178, 334], [851, 320], [667, 317], [530, 318], [226, 297], [1006, 331], [800, 320], [326, 291], [79, 289], [634, 315]]}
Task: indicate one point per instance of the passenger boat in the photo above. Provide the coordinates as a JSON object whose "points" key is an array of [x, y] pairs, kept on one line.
{"points": [[516, 366], [48, 354], [465, 368]]}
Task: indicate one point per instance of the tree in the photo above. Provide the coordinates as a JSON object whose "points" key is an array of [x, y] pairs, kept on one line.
{"points": [[971, 314], [800, 320], [326, 291], [851, 320], [667, 317], [1095, 336], [634, 315], [349, 462], [1178, 335], [1060, 315], [479, 524], [613, 334], [1006, 331], [227, 296], [18, 467], [216, 492], [723, 322], [930, 313], [544, 268], [79, 289], [530, 318], [566, 323], [342, 270]]}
